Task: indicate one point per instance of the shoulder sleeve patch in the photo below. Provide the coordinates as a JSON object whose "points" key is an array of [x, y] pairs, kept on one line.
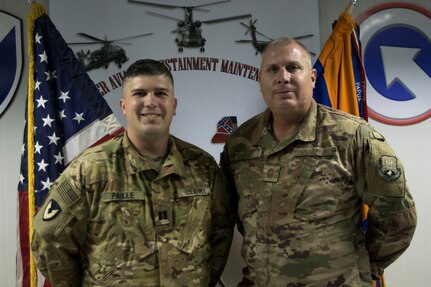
{"points": [[388, 168], [385, 173], [51, 211], [69, 195]]}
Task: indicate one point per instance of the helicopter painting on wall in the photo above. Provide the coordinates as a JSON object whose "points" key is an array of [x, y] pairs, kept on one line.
{"points": [[109, 52], [260, 45], [189, 31]]}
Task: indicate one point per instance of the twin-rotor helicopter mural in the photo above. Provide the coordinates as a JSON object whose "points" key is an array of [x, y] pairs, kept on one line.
{"points": [[188, 35], [189, 31]]}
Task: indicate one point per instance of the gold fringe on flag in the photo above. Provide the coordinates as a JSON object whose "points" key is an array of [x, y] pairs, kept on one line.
{"points": [[36, 11]]}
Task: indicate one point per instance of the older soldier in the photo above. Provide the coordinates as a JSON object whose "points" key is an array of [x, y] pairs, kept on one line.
{"points": [[143, 209], [301, 172]]}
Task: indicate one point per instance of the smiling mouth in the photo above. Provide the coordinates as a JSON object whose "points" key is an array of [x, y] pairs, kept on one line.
{"points": [[151, 116]]}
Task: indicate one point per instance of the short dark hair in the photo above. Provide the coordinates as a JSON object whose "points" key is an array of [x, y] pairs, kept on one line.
{"points": [[147, 67]]}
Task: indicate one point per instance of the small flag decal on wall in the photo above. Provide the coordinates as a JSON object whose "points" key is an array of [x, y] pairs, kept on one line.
{"points": [[224, 128]]}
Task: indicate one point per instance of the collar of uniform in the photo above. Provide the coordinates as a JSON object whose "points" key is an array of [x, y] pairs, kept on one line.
{"points": [[174, 162], [265, 138], [134, 161], [306, 130]]}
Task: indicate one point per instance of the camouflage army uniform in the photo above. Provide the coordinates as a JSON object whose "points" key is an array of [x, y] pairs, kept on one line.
{"points": [[111, 220], [300, 201]]}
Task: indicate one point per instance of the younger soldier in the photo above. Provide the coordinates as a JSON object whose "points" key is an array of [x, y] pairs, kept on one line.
{"points": [[143, 209]]}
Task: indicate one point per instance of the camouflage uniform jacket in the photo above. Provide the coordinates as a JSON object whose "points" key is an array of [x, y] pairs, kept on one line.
{"points": [[111, 220], [300, 201]]}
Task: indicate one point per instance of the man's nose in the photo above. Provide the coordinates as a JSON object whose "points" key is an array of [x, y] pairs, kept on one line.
{"points": [[283, 76], [150, 100]]}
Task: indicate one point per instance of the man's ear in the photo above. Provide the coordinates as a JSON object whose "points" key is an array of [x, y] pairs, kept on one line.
{"points": [[122, 106], [313, 76]]}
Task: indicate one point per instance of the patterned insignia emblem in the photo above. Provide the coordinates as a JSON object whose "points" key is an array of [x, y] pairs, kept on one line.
{"points": [[10, 57], [271, 173], [388, 168], [52, 209]]}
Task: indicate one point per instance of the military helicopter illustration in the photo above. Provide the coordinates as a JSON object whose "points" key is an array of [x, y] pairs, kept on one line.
{"points": [[260, 45], [189, 32], [105, 55]]}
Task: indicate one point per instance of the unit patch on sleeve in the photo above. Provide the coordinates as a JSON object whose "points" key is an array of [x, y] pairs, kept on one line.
{"points": [[388, 168], [52, 209]]}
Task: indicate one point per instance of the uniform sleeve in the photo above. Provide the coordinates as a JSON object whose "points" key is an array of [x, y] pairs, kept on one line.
{"points": [[222, 226], [58, 233], [382, 185]]}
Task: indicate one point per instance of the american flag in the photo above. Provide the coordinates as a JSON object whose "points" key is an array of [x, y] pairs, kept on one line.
{"points": [[65, 114]]}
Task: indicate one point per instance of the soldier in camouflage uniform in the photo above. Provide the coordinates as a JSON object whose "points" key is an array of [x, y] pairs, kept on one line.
{"points": [[143, 209], [302, 172]]}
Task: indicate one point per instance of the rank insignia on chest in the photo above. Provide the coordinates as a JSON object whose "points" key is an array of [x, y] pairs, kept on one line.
{"points": [[162, 215], [270, 173], [388, 168]]}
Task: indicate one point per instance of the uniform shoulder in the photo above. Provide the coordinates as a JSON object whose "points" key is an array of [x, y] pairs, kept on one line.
{"points": [[192, 152], [247, 128], [101, 151], [342, 119]]}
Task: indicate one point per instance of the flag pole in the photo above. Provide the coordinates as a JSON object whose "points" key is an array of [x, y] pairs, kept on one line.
{"points": [[36, 11], [352, 4]]}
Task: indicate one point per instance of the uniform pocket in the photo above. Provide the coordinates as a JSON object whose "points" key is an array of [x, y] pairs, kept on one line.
{"points": [[247, 175], [196, 232], [323, 188]]}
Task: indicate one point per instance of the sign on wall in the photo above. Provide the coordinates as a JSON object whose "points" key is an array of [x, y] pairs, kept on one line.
{"points": [[396, 45], [10, 57]]}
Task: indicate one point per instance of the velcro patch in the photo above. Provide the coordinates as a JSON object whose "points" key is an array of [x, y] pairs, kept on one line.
{"points": [[193, 191], [388, 168], [51, 211], [122, 196], [271, 173], [69, 195]]}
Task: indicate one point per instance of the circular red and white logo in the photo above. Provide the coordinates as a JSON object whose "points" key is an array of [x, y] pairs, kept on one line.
{"points": [[396, 51]]}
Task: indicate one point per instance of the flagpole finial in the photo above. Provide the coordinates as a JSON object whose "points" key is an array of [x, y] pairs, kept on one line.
{"points": [[351, 5]]}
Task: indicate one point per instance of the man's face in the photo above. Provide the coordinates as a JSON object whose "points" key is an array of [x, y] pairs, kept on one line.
{"points": [[286, 79], [148, 103]]}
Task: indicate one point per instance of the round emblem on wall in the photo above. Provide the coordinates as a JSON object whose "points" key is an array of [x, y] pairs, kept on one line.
{"points": [[396, 49], [10, 57]]}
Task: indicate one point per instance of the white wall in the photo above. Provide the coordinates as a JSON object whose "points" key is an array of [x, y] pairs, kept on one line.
{"points": [[410, 142], [11, 131]]}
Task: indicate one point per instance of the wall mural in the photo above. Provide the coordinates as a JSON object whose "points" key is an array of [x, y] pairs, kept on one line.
{"points": [[215, 75], [189, 31], [107, 53], [260, 45]]}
